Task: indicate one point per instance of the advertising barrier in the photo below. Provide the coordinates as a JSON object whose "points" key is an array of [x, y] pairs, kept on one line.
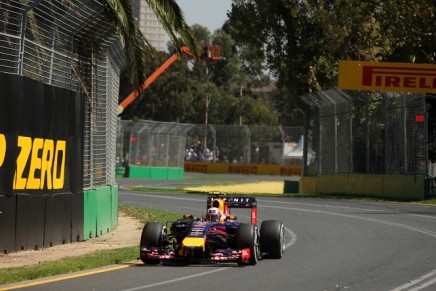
{"points": [[252, 169], [382, 76], [40, 164]]}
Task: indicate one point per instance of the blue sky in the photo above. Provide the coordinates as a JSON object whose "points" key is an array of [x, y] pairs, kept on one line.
{"points": [[208, 13]]}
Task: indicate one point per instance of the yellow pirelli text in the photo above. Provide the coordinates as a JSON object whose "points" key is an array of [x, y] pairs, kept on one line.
{"points": [[45, 161]]}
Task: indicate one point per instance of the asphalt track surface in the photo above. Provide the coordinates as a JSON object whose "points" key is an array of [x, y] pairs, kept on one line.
{"points": [[330, 245]]}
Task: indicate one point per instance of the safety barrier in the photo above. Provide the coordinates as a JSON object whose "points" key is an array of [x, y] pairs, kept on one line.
{"points": [[404, 187], [252, 169], [57, 122]]}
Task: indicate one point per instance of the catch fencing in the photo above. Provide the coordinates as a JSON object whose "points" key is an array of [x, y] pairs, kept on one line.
{"points": [[244, 144], [165, 144], [365, 132], [151, 144], [70, 44]]}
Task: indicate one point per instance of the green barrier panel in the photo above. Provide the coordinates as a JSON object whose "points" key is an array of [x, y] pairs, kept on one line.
{"points": [[290, 187], [120, 171], [157, 173], [114, 203], [100, 211], [139, 172], [104, 210], [176, 173], [89, 214]]}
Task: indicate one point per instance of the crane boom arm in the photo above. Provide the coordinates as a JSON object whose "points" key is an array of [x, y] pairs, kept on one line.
{"points": [[210, 53], [132, 96]]}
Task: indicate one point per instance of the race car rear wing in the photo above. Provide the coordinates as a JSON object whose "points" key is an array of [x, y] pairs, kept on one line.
{"points": [[224, 203]]}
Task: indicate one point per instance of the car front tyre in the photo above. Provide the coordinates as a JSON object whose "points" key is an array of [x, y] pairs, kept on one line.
{"points": [[247, 237], [151, 237], [272, 238]]}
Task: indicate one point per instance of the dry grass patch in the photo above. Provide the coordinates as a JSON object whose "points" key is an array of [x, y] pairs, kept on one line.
{"points": [[246, 188]]}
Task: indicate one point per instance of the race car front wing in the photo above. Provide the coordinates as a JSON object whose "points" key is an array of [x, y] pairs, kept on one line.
{"points": [[220, 255]]}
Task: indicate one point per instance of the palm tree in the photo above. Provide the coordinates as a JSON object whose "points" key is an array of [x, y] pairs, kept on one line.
{"points": [[120, 13]]}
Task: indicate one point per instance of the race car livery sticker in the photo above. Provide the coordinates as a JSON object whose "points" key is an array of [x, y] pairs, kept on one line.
{"points": [[198, 230], [236, 202]]}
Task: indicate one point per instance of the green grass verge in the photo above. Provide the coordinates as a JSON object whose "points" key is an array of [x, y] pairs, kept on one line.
{"points": [[426, 202], [95, 260], [69, 265], [145, 215]]}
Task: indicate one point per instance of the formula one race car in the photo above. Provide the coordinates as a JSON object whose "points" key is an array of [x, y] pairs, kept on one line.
{"points": [[217, 237]]}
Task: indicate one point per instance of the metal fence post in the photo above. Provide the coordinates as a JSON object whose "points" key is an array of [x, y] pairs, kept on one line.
{"points": [[350, 125], [282, 150], [385, 133], [248, 154], [214, 148], [404, 123], [367, 145], [29, 7], [335, 129]]}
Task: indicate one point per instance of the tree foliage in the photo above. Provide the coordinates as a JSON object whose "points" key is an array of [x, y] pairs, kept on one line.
{"points": [[298, 43], [302, 41], [228, 86]]}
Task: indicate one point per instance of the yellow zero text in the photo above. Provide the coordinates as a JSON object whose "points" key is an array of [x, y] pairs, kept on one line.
{"points": [[2, 149], [45, 161]]}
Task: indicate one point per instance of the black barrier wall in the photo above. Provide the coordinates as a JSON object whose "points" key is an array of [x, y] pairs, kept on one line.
{"points": [[41, 198]]}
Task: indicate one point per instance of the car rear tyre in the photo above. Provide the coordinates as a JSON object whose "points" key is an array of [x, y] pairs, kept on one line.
{"points": [[272, 238], [246, 238], [151, 237]]}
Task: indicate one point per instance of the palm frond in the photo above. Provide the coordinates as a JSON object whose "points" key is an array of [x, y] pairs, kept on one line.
{"points": [[173, 21], [134, 43], [121, 15]]}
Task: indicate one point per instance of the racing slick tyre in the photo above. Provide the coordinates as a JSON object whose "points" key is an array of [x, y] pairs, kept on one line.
{"points": [[272, 238], [246, 238], [151, 237]]}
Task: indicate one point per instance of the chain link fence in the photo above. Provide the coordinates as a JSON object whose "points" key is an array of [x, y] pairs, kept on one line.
{"points": [[151, 144], [164, 144], [69, 44], [245, 144], [365, 132]]}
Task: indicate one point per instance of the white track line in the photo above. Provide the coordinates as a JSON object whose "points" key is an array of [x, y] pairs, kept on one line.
{"points": [[176, 280], [410, 286]]}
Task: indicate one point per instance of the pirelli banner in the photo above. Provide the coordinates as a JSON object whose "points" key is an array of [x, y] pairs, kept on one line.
{"points": [[40, 137], [400, 77]]}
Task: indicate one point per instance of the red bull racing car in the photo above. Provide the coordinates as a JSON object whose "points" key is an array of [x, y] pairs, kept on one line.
{"points": [[216, 237]]}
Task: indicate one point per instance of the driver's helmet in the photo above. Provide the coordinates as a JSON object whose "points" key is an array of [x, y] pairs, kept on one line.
{"points": [[213, 214]]}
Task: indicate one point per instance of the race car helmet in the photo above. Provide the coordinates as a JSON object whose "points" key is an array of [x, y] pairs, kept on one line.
{"points": [[213, 214]]}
